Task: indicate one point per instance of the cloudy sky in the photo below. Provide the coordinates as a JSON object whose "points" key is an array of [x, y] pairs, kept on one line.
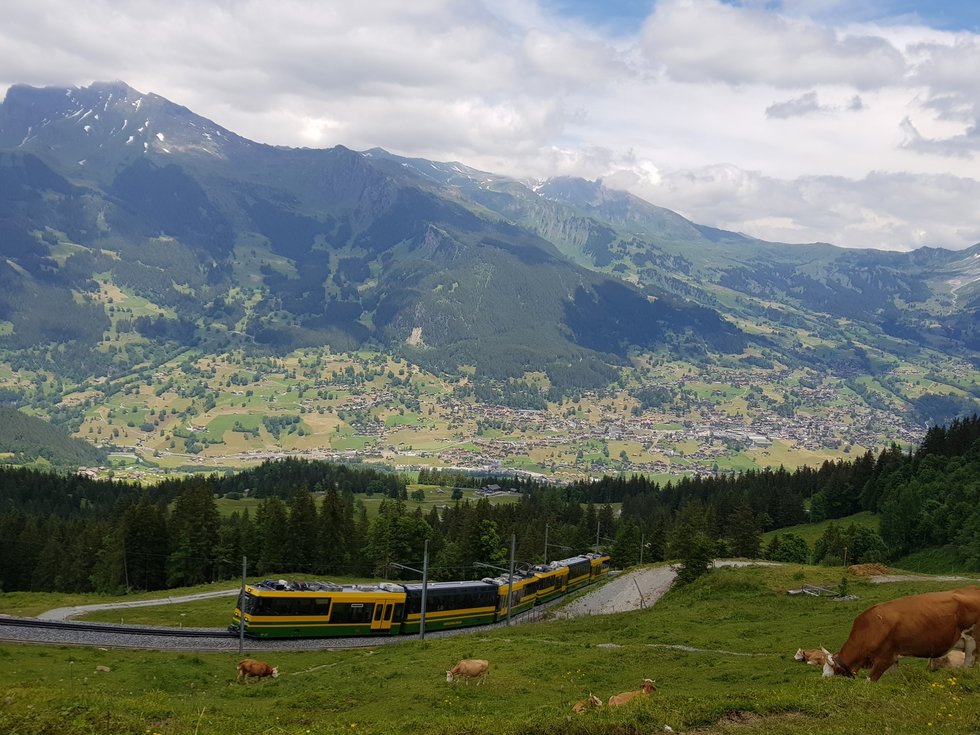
{"points": [[846, 121]]}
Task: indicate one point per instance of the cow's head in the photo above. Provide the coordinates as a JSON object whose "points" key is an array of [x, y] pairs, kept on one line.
{"points": [[834, 667], [799, 655], [449, 676], [275, 671]]}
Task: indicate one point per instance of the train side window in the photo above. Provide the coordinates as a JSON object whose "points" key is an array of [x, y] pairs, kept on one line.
{"points": [[377, 611], [321, 606], [350, 612]]}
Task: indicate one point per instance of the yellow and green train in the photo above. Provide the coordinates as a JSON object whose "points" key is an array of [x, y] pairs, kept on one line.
{"points": [[285, 609]]}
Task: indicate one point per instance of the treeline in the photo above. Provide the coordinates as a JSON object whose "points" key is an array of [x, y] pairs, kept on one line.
{"points": [[69, 534]]}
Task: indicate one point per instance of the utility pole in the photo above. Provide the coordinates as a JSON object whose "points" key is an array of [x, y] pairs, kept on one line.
{"points": [[425, 588], [510, 577], [545, 543], [425, 583], [510, 573], [241, 609]]}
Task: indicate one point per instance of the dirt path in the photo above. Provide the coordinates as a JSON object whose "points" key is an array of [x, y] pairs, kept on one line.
{"points": [[633, 590], [66, 613]]}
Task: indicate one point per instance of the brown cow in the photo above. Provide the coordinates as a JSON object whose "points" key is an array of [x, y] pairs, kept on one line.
{"points": [[922, 626], [469, 668], [617, 700], [811, 656], [251, 667], [592, 702]]}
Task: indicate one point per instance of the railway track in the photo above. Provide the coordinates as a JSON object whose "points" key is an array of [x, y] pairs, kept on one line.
{"points": [[109, 635]]}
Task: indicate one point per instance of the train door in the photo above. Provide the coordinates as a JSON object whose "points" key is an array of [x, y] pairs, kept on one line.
{"points": [[381, 622]]}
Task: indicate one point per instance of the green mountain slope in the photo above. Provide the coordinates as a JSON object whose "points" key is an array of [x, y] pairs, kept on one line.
{"points": [[29, 439]]}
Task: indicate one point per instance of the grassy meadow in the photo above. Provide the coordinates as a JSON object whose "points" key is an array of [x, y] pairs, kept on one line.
{"points": [[812, 532], [721, 651]]}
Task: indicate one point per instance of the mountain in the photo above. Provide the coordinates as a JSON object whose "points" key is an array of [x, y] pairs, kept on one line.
{"points": [[137, 237], [342, 247]]}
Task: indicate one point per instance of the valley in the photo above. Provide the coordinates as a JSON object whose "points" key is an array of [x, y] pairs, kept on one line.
{"points": [[229, 411]]}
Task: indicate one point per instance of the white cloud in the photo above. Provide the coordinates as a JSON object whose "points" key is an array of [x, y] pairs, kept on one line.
{"points": [[707, 40], [881, 210], [809, 103], [797, 107]]}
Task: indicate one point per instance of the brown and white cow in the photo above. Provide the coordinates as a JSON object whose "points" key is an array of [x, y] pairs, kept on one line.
{"points": [[617, 700], [251, 667], [469, 668], [591, 702], [811, 656], [922, 626]]}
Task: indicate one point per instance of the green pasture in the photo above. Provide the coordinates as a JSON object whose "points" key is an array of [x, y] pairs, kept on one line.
{"points": [[227, 506], [720, 650], [811, 532], [409, 418], [433, 498]]}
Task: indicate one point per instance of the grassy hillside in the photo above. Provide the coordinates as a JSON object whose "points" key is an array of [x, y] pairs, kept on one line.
{"points": [[27, 439], [811, 532], [721, 652]]}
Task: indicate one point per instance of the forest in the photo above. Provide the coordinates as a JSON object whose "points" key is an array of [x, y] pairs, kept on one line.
{"points": [[68, 533]]}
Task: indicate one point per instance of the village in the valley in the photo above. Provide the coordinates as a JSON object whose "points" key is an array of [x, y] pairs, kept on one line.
{"points": [[708, 428]]}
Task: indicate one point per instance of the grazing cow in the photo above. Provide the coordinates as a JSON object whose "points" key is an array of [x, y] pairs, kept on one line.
{"points": [[952, 660], [469, 668], [250, 667], [617, 700], [922, 626], [592, 702], [811, 656]]}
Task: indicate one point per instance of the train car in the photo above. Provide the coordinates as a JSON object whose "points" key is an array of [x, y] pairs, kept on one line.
{"points": [[521, 600], [579, 571], [450, 605], [600, 565], [550, 581], [281, 609]]}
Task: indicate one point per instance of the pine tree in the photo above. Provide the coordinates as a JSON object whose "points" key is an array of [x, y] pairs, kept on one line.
{"points": [[690, 544], [194, 524], [272, 526], [145, 537], [743, 532], [302, 527]]}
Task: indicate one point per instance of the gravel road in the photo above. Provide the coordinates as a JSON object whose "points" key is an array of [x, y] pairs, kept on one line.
{"points": [[67, 613], [633, 590], [630, 591]]}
